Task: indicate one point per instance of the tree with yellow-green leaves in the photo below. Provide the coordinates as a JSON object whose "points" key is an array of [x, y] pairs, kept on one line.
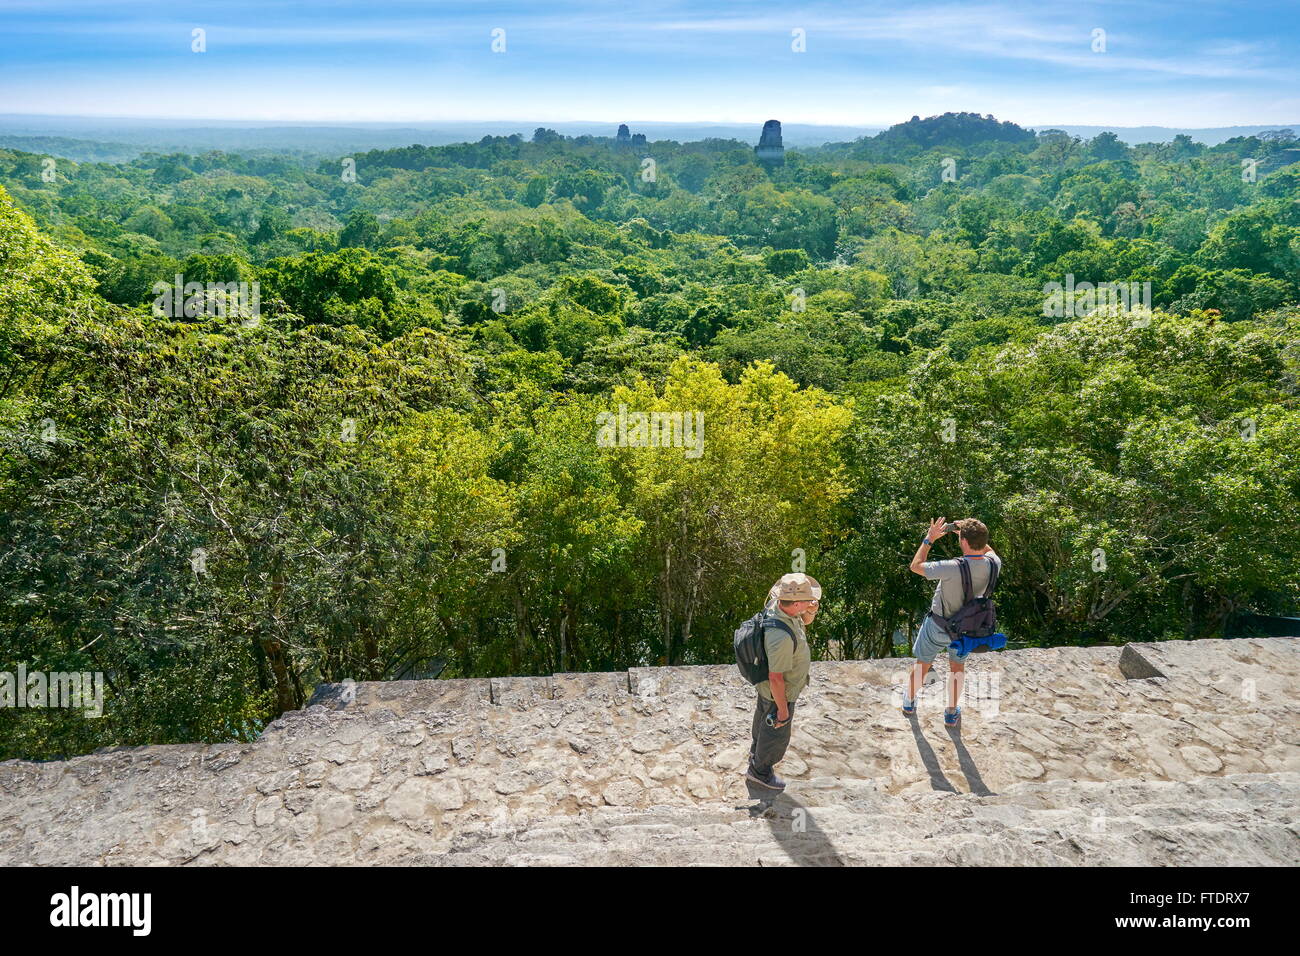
{"points": [[724, 516], [456, 525]]}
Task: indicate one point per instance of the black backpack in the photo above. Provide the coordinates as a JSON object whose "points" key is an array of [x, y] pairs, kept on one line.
{"points": [[751, 650], [977, 617]]}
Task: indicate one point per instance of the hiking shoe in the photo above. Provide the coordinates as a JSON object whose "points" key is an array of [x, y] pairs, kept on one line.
{"points": [[952, 718], [909, 708], [771, 781]]}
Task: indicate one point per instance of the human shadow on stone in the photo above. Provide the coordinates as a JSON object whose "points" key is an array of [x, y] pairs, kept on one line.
{"points": [[937, 779], [794, 827], [967, 765]]}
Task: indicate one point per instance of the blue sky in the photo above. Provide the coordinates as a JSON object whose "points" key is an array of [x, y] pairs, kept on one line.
{"points": [[1165, 63]]}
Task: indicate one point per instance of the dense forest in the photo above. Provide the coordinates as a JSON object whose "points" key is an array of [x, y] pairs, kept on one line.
{"points": [[388, 464]]}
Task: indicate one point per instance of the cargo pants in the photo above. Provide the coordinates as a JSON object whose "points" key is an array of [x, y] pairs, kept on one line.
{"points": [[769, 743]]}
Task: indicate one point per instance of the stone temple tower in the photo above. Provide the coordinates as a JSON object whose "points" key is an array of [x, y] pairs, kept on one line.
{"points": [[769, 148], [624, 138]]}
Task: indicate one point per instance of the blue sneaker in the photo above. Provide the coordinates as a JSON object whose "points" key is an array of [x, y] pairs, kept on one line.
{"points": [[951, 717], [909, 707]]}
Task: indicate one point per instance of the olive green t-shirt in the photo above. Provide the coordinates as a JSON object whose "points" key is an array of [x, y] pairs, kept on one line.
{"points": [[784, 656]]}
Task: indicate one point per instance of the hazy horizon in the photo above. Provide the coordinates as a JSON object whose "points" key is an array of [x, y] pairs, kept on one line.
{"points": [[59, 135]]}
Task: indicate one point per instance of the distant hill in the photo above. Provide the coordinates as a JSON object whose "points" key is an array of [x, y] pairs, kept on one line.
{"points": [[955, 129], [976, 134], [78, 150], [970, 132]]}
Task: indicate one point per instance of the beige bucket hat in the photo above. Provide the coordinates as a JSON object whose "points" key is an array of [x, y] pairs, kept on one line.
{"points": [[796, 586]]}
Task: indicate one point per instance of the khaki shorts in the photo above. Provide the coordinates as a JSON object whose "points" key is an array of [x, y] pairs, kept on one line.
{"points": [[931, 641]]}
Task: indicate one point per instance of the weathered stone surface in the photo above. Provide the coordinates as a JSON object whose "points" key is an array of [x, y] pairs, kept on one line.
{"points": [[602, 686], [1063, 757], [520, 692]]}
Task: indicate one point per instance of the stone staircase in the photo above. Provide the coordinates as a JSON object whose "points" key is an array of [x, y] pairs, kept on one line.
{"points": [[1058, 824], [1174, 753]]}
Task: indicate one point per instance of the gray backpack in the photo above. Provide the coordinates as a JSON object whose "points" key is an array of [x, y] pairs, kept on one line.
{"points": [[977, 617], [751, 649]]}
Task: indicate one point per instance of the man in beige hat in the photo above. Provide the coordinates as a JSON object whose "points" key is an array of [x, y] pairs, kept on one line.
{"points": [[792, 604]]}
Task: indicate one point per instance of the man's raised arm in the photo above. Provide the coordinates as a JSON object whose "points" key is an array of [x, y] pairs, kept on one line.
{"points": [[934, 534]]}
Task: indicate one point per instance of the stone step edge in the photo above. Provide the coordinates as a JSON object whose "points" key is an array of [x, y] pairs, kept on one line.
{"points": [[1134, 663]]}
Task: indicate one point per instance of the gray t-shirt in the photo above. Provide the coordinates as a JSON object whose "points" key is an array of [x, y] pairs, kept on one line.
{"points": [[948, 594]]}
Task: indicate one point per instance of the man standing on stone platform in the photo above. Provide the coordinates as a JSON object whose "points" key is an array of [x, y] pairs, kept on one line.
{"points": [[792, 602]]}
